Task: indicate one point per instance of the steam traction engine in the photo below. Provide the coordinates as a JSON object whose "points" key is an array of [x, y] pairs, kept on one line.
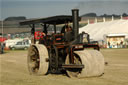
{"points": [[63, 52]]}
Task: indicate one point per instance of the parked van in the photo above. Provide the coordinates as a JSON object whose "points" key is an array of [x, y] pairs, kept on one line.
{"points": [[20, 45], [11, 42]]}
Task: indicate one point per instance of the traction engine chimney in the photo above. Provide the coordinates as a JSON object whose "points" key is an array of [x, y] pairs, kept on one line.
{"points": [[75, 18]]}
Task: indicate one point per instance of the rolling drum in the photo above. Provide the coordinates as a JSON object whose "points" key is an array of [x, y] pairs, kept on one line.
{"points": [[93, 62]]}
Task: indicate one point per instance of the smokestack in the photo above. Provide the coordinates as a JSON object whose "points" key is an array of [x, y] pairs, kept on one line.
{"points": [[75, 18]]}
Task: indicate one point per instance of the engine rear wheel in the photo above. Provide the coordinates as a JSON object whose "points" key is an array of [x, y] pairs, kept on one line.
{"points": [[37, 59], [53, 59]]}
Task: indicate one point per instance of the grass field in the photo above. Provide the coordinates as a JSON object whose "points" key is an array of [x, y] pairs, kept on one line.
{"points": [[13, 71]]}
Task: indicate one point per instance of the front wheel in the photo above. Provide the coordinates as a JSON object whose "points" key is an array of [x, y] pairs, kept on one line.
{"points": [[92, 60]]}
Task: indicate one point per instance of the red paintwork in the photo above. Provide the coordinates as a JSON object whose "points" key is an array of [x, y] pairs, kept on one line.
{"points": [[2, 39], [38, 35]]}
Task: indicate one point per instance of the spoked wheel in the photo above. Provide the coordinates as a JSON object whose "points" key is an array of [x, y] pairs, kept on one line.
{"points": [[73, 72], [37, 59]]}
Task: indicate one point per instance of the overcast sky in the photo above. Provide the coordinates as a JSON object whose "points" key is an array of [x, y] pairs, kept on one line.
{"points": [[63, 0], [45, 8]]}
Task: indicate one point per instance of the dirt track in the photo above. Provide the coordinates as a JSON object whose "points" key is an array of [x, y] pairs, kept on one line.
{"points": [[13, 71]]}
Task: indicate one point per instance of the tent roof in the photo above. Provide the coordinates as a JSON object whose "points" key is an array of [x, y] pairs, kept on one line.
{"points": [[97, 31]]}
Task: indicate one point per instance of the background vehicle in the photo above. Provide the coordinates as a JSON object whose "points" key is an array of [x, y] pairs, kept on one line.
{"points": [[11, 42], [64, 52], [20, 45]]}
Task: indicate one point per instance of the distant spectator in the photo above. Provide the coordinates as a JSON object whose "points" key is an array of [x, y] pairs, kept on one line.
{"points": [[109, 44], [117, 45], [121, 44], [2, 47]]}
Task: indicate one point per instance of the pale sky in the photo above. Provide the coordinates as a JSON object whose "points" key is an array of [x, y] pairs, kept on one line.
{"points": [[45, 8], [64, 0]]}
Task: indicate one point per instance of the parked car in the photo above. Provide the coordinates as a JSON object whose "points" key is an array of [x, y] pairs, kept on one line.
{"points": [[20, 45]]}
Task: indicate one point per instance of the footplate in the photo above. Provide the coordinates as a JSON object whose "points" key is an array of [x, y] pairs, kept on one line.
{"points": [[72, 66]]}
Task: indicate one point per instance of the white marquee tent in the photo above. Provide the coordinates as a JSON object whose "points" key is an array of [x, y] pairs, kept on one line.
{"points": [[98, 30]]}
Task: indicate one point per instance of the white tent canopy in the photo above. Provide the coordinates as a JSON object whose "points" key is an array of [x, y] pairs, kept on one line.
{"points": [[98, 30]]}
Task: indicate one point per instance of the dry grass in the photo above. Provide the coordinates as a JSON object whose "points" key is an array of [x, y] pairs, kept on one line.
{"points": [[14, 71]]}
